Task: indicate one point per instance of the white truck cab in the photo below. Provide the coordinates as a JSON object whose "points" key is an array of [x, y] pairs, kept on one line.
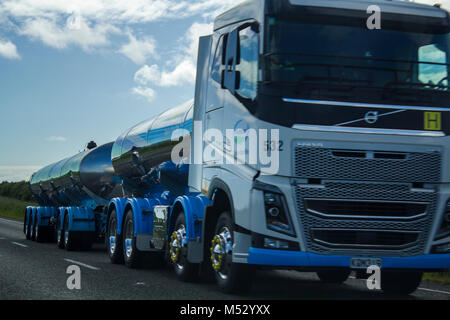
{"points": [[351, 126]]}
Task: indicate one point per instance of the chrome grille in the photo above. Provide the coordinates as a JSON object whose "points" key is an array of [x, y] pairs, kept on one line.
{"points": [[369, 191], [362, 165], [366, 209]]}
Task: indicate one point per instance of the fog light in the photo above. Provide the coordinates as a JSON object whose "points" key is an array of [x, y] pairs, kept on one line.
{"points": [[274, 212], [275, 244]]}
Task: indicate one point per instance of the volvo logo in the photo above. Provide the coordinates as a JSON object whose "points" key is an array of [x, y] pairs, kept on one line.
{"points": [[371, 117]]}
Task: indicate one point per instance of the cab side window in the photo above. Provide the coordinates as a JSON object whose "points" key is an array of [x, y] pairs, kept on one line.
{"points": [[248, 63], [216, 72]]}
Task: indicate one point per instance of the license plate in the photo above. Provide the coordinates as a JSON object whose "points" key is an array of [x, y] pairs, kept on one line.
{"points": [[364, 263]]}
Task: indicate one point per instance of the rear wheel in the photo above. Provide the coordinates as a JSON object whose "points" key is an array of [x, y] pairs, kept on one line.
{"points": [[114, 240], [333, 276], [400, 282], [33, 228], [132, 256], [231, 277], [69, 239], [25, 222], [59, 233], [184, 270], [28, 227]]}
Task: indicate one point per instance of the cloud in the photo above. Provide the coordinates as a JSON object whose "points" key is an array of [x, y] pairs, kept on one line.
{"points": [[185, 62], [147, 93], [17, 173], [57, 35], [89, 24], [56, 139], [8, 50], [138, 50]]}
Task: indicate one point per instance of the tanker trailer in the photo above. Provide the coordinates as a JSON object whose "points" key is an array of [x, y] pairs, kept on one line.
{"points": [[71, 194], [156, 190]]}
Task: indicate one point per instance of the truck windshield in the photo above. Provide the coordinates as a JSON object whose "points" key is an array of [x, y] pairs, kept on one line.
{"points": [[298, 53]]}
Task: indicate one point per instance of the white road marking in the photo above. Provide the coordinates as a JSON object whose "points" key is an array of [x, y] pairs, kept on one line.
{"points": [[11, 221], [82, 264], [437, 291], [20, 245], [1, 238]]}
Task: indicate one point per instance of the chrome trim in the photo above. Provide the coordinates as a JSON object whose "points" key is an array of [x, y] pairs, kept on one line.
{"points": [[368, 130], [338, 245], [364, 105], [321, 214]]}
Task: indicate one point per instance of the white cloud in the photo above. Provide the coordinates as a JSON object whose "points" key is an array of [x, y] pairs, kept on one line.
{"points": [[147, 74], [185, 63], [8, 50], [17, 173], [138, 50], [54, 34], [147, 93], [56, 139], [52, 22]]}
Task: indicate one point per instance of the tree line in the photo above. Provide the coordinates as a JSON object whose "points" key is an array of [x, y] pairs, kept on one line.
{"points": [[17, 190]]}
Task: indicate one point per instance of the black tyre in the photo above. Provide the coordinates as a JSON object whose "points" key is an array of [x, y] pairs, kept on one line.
{"points": [[25, 222], [334, 276], [40, 234], [133, 258], [231, 277], [70, 242], [33, 228], [28, 227], [114, 240], [59, 233], [184, 270], [400, 282]]}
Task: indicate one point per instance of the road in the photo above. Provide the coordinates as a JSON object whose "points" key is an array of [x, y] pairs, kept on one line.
{"points": [[30, 270]]}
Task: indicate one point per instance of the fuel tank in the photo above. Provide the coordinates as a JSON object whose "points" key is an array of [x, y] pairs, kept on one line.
{"points": [[87, 178], [147, 148]]}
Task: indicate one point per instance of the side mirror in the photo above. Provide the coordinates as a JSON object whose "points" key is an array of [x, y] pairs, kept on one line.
{"points": [[232, 58]]}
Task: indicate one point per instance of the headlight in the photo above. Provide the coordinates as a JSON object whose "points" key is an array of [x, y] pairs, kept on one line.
{"points": [[277, 212]]}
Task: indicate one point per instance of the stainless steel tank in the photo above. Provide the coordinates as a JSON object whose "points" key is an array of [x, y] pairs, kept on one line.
{"points": [[148, 145], [86, 178]]}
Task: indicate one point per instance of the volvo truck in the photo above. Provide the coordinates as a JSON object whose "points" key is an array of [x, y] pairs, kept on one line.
{"points": [[318, 140]]}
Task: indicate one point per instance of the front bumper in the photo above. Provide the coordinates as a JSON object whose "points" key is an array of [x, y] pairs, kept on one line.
{"points": [[278, 258]]}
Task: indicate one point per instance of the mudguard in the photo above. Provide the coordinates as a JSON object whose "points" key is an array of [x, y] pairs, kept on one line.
{"points": [[81, 219], [118, 204], [44, 214], [194, 206]]}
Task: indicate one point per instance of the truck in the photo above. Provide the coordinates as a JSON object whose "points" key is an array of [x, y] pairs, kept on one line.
{"points": [[317, 140]]}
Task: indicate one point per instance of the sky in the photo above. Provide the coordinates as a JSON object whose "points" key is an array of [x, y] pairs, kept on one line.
{"points": [[72, 71]]}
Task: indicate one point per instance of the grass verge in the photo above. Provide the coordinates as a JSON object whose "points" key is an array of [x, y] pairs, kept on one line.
{"points": [[13, 208], [439, 277]]}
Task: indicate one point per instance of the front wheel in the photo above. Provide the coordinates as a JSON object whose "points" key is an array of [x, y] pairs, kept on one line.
{"points": [[400, 282], [231, 277], [184, 270]]}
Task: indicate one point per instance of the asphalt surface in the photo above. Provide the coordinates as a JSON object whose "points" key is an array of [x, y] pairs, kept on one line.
{"points": [[30, 270]]}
